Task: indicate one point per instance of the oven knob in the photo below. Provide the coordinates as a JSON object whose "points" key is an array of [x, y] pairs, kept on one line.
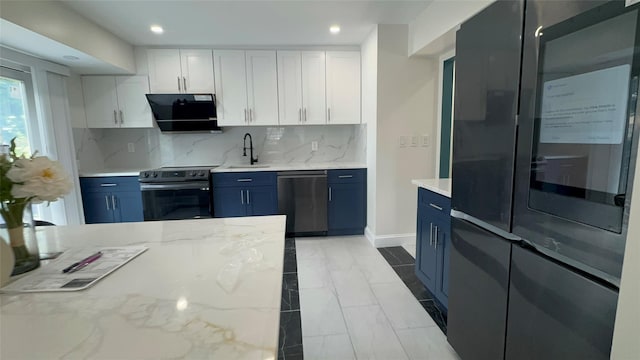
{"points": [[155, 174], [201, 174], [146, 175], [192, 174]]}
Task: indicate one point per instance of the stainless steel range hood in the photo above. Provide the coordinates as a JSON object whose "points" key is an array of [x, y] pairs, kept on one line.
{"points": [[185, 112]]}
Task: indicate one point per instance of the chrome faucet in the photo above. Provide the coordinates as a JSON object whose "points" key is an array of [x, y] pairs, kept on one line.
{"points": [[244, 151]]}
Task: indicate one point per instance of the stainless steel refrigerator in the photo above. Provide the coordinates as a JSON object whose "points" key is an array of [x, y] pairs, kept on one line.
{"points": [[544, 152]]}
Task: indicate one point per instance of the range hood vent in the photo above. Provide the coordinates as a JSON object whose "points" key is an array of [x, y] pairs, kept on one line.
{"points": [[185, 112]]}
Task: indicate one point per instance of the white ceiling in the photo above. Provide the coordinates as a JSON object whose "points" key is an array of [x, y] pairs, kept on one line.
{"points": [[245, 23]]}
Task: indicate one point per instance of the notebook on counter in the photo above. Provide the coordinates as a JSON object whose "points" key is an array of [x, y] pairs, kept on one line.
{"points": [[50, 277]]}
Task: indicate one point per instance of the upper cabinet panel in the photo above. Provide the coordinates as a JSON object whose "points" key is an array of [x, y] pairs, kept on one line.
{"points": [[231, 87], [343, 87], [165, 75], [290, 87], [262, 87], [197, 71]]}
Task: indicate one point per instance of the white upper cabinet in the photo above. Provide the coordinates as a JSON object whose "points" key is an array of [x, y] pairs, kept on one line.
{"points": [[343, 87], [313, 88], [301, 87], [246, 87], [262, 87], [231, 87], [116, 101], [180, 71]]}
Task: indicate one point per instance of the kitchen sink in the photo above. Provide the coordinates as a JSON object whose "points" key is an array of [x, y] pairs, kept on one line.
{"points": [[247, 166]]}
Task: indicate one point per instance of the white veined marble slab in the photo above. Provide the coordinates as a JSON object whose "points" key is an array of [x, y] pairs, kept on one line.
{"points": [[288, 167], [111, 172], [204, 289], [439, 186]]}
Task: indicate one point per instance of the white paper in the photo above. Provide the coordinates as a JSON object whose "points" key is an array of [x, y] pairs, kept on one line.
{"points": [[51, 278], [589, 108]]}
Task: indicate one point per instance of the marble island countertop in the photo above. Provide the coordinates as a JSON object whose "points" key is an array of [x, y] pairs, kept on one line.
{"points": [[439, 186], [288, 166], [204, 289]]}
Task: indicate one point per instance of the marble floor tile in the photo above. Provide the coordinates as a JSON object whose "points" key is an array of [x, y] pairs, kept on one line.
{"points": [[396, 255], [290, 262], [290, 344], [436, 314], [290, 243], [309, 249], [407, 274], [338, 256], [352, 288], [334, 347], [401, 307], [313, 274], [376, 270], [371, 334], [426, 344], [321, 312], [290, 297]]}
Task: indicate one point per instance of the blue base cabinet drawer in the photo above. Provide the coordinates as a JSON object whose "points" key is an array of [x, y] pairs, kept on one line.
{"points": [[111, 199], [244, 194], [347, 208], [433, 243]]}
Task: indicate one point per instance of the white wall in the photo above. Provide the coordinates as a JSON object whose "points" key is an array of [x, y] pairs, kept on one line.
{"points": [[436, 24], [56, 21], [406, 103], [626, 335], [369, 56]]}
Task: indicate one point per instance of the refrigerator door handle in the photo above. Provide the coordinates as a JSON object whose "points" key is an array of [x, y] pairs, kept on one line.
{"points": [[430, 234], [484, 225]]}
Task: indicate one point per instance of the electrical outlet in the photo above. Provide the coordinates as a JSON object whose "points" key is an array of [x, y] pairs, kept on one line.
{"points": [[402, 141], [425, 140], [131, 147], [314, 146], [415, 139]]}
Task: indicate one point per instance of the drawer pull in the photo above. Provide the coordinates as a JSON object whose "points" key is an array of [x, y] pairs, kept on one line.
{"points": [[108, 185], [345, 176], [435, 206], [244, 180]]}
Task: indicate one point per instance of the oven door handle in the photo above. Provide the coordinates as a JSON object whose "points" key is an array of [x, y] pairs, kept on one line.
{"points": [[185, 186]]}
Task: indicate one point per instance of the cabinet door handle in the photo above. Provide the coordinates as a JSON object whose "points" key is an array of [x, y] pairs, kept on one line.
{"points": [[184, 81], [305, 114], [106, 201], [113, 202], [436, 239], [328, 114], [248, 198], [244, 180], [435, 206], [250, 115], [299, 115], [121, 117], [242, 196], [430, 234], [179, 88], [345, 176], [245, 115], [115, 117], [108, 185], [330, 193]]}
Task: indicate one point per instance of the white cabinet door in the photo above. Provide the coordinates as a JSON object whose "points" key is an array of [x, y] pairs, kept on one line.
{"points": [[134, 111], [197, 71], [262, 87], [100, 101], [231, 87], [343, 87], [313, 88], [165, 75], [290, 87]]}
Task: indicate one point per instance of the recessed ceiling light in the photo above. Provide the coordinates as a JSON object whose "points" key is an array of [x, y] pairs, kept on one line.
{"points": [[157, 29], [71, 57], [334, 29]]}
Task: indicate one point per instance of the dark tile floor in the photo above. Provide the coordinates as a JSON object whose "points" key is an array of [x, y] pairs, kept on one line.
{"points": [[290, 344], [404, 265]]}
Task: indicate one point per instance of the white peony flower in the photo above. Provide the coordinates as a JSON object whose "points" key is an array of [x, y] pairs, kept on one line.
{"points": [[39, 178]]}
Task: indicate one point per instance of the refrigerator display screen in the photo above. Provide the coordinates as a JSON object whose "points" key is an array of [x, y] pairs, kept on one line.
{"points": [[583, 123]]}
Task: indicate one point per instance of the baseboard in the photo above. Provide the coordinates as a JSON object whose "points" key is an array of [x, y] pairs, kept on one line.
{"points": [[388, 240]]}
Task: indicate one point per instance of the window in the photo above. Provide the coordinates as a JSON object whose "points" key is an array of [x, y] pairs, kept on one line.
{"points": [[13, 111]]}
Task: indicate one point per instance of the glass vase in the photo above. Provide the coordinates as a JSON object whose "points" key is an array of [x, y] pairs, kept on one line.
{"points": [[22, 237]]}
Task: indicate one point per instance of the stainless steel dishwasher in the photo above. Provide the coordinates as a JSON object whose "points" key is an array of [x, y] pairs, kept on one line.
{"points": [[302, 196]]}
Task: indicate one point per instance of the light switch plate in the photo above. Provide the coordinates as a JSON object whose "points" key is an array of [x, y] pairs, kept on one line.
{"points": [[402, 141], [131, 147], [415, 140], [425, 140], [314, 146]]}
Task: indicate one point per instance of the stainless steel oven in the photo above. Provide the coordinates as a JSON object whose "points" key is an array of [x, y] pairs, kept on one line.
{"points": [[176, 193]]}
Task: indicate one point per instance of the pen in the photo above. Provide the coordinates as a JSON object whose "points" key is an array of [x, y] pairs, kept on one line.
{"points": [[82, 263]]}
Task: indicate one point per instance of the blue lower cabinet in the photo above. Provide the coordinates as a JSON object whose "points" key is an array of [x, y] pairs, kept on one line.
{"points": [[433, 243], [347, 210], [244, 194], [111, 199]]}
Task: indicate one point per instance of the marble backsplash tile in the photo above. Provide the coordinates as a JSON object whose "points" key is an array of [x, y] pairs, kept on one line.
{"points": [[99, 149]]}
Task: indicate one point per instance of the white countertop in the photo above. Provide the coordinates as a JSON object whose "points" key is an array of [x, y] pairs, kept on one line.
{"points": [[204, 289], [291, 166], [111, 172], [440, 186]]}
